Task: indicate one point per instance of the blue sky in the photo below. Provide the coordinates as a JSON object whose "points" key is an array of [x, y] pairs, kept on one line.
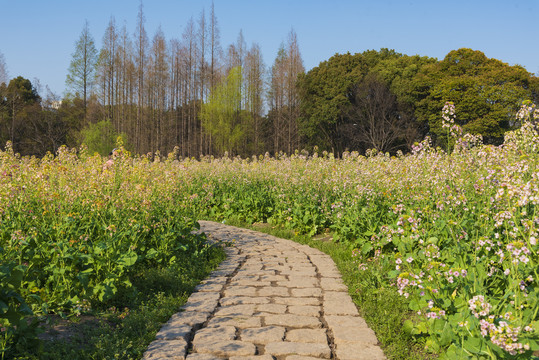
{"points": [[37, 37]]}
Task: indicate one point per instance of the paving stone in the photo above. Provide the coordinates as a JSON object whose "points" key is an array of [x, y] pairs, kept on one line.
{"points": [[203, 296], [293, 321], [249, 282], [263, 335], [222, 272], [359, 352], [173, 332], [245, 277], [169, 349], [278, 268], [221, 280], [334, 321], [236, 310], [210, 287], [202, 357], [225, 348], [240, 291], [238, 300], [273, 278], [277, 283], [307, 336], [347, 335], [304, 279], [300, 357], [289, 348], [206, 306], [307, 292], [304, 310], [271, 308], [307, 283], [297, 301], [332, 274], [337, 296], [215, 334], [332, 307], [192, 318], [330, 284], [273, 291], [302, 272], [239, 322]]}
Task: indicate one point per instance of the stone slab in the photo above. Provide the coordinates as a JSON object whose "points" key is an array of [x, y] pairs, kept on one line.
{"points": [[288, 348], [173, 332], [222, 333], [239, 300], [169, 349], [332, 307], [359, 352], [306, 292], [263, 335], [347, 335], [236, 310], [297, 301], [334, 321], [305, 310], [271, 308], [273, 291], [307, 336], [225, 348], [239, 322], [293, 321]]}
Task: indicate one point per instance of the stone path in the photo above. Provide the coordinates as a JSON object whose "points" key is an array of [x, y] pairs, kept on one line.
{"points": [[271, 299]]}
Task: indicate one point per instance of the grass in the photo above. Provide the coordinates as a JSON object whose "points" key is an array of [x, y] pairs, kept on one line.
{"points": [[119, 333], [381, 307]]}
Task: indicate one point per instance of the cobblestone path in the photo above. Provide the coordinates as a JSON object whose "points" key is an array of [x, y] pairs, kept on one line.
{"points": [[271, 299]]}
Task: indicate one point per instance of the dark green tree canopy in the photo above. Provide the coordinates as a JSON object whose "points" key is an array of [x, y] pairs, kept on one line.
{"points": [[486, 92], [327, 91], [21, 91]]}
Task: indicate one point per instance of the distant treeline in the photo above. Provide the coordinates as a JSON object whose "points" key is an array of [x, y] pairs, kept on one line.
{"points": [[194, 98]]}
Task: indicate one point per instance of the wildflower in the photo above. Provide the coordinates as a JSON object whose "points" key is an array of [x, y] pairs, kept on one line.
{"points": [[479, 306]]}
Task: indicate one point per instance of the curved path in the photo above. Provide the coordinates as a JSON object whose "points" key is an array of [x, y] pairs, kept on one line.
{"points": [[271, 299]]}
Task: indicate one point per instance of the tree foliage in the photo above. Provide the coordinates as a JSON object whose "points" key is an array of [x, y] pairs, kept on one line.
{"points": [[486, 92], [222, 115], [101, 137]]}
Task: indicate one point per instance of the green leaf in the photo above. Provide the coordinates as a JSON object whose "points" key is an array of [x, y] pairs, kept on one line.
{"points": [[366, 248], [408, 327], [432, 346], [473, 345], [128, 259], [414, 305], [3, 307]]}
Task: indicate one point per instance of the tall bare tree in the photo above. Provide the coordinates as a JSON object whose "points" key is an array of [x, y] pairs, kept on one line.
{"points": [[277, 100], [284, 96], [294, 68], [4, 76], [157, 90], [141, 45], [81, 71], [254, 78]]}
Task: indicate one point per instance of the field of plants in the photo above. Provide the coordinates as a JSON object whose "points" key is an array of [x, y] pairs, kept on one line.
{"points": [[79, 235], [454, 234]]}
